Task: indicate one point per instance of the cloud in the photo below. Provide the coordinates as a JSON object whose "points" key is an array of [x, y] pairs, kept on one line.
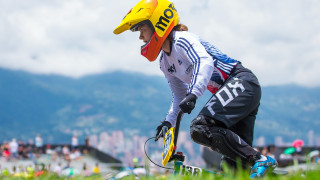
{"points": [[279, 41]]}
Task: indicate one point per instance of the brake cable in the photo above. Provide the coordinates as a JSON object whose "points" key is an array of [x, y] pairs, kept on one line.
{"points": [[145, 152]]}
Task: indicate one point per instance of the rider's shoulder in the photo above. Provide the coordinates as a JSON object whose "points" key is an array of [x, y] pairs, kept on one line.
{"points": [[184, 37]]}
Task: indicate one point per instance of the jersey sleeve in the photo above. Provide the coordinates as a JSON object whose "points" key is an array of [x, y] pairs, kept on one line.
{"points": [[191, 49], [179, 91]]}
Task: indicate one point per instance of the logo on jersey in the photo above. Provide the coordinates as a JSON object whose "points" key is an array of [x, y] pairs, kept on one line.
{"points": [[189, 69], [180, 62], [172, 69]]}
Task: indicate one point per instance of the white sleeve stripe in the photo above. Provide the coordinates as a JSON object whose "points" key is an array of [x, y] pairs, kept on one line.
{"points": [[227, 66], [224, 68]]}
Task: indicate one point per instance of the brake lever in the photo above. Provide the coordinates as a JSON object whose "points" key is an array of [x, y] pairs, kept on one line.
{"points": [[159, 136]]}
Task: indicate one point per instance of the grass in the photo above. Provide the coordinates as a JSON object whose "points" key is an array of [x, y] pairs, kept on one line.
{"points": [[53, 176], [228, 175], [242, 175]]}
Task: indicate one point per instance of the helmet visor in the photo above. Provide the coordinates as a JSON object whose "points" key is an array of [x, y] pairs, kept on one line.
{"points": [[136, 26]]}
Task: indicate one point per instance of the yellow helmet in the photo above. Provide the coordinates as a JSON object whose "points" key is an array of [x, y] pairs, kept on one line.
{"points": [[161, 15]]}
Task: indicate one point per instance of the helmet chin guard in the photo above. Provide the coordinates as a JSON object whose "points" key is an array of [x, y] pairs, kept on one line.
{"points": [[152, 49]]}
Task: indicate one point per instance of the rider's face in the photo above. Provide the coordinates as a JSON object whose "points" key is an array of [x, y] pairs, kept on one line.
{"points": [[145, 33]]}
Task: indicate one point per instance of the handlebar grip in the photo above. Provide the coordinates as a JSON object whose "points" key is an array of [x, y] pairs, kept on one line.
{"points": [[191, 105]]}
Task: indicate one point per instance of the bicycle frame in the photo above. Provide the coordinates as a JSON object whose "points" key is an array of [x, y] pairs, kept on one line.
{"points": [[169, 149]]}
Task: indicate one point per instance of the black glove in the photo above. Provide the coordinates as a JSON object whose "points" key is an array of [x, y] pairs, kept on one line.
{"points": [[162, 129], [188, 103]]}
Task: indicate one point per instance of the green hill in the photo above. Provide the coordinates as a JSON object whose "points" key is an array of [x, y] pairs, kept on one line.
{"points": [[57, 106]]}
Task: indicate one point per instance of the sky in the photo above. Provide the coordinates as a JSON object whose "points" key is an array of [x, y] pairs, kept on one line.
{"points": [[278, 40]]}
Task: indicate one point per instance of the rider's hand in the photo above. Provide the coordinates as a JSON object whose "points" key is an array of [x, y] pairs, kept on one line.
{"points": [[188, 103], [162, 129]]}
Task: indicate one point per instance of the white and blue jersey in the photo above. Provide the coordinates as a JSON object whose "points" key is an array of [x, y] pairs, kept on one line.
{"points": [[192, 67]]}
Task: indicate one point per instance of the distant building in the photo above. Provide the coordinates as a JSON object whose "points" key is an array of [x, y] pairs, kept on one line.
{"points": [[93, 141], [318, 141], [128, 147], [278, 141], [311, 138], [261, 141]]}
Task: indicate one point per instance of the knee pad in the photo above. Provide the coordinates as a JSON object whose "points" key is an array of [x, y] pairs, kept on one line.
{"points": [[198, 135], [198, 131], [200, 120]]}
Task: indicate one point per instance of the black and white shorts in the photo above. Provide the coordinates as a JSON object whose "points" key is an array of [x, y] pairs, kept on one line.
{"points": [[236, 103]]}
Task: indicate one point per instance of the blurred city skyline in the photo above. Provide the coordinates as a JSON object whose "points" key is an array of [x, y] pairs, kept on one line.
{"points": [[127, 147]]}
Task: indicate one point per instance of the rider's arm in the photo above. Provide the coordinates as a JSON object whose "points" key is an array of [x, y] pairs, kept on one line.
{"points": [[179, 91], [190, 48]]}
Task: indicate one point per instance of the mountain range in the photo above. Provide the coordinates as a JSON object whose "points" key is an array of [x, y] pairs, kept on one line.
{"points": [[57, 107]]}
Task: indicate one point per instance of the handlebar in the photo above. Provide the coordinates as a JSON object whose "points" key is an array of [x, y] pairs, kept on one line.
{"points": [[179, 117], [176, 131]]}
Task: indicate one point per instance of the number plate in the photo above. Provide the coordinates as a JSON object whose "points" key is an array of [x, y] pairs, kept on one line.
{"points": [[190, 170], [168, 146]]}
